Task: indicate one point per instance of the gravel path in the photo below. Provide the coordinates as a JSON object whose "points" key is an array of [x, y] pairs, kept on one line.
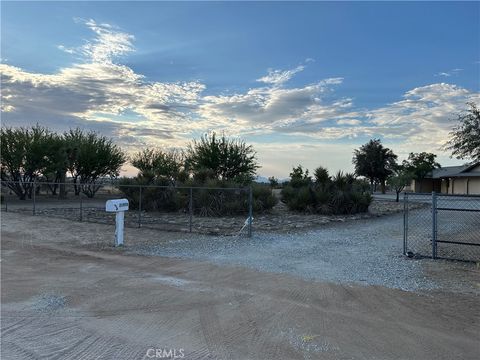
{"points": [[367, 251]]}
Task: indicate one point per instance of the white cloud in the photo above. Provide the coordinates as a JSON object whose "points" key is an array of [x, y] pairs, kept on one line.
{"points": [[449, 73], [101, 94], [96, 90], [65, 49], [274, 108], [279, 77], [424, 117]]}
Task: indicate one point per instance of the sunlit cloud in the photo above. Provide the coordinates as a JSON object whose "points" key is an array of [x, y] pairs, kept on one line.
{"points": [[98, 85], [98, 92], [279, 77]]}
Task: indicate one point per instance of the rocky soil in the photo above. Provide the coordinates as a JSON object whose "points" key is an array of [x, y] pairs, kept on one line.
{"points": [[278, 220]]}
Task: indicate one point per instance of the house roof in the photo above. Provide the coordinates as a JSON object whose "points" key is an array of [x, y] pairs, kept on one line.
{"points": [[454, 171]]}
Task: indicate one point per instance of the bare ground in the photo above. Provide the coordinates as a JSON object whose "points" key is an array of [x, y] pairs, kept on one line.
{"points": [[64, 297]]}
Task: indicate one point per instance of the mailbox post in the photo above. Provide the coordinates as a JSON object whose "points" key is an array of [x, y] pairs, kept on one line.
{"points": [[118, 206]]}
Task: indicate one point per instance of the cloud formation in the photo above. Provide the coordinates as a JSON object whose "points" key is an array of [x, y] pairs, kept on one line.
{"points": [[99, 93], [274, 108], [449, 73], [278, 77], [98, 90]]}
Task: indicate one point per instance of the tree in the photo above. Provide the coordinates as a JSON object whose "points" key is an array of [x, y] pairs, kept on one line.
{"points": [[322, 177], [56, 164], [375, 162], [399, 179], [156, 164], [90, 157], [273, 182], [465, 138], [24, 157], [225, 159], [420, 165], [299, 177]]}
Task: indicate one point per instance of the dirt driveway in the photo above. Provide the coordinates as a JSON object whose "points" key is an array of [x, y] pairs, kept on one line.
{"points": [[65, 295]]}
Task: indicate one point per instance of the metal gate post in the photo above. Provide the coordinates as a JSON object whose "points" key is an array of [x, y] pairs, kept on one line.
{"points": [[405, 219], [140, 208], [34, 199], [190, 210], [81, 208], [250, 211], [434, 225]]}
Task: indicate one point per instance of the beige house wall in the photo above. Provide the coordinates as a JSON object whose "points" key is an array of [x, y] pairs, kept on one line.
{"points": [[444, 188], [474, 186], [459, 186]]}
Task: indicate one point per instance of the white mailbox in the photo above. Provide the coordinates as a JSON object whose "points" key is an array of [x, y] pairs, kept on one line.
{"points": [[118, 206]]}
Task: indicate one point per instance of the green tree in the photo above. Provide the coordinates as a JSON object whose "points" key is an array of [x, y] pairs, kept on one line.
{"points": [[375, 162], [91, 157], [420, 165], [465, 138], [273, 182], [24, 157], [156, 164], [322, 177], [299, 177], [56, 164], [222, 158], [400, 178]]}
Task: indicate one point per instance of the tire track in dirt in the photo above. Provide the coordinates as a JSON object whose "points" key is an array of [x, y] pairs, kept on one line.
{"points": [[213, 333], [293, 298]]}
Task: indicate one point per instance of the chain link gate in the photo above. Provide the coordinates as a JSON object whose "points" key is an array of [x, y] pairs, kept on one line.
{"points": [[442, 226]]}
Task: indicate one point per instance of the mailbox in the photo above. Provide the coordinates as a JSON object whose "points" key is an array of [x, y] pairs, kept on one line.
{"points": [[116, 205]]}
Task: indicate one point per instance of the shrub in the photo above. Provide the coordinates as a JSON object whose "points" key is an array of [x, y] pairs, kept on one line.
{"points": [[340, 194], [263, 198], [212, 198], [165, 198]]}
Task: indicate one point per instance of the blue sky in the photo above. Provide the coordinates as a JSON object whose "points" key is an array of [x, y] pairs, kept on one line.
{"points": [[304, 82]]}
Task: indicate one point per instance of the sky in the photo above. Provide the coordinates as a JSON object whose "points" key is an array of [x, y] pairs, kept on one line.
{"points": [[303, 82]]}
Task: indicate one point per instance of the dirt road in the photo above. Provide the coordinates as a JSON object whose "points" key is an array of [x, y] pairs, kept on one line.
{"points": [[65, 298]]}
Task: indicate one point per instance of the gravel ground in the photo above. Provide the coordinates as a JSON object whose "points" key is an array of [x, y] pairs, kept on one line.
{"points": [[67, 294], [367, 252]]}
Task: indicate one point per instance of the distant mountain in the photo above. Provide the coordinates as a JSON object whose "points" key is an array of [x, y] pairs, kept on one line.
{"points": [[264, 179]]}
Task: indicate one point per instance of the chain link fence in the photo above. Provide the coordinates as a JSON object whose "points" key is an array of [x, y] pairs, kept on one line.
{"points": [[207, 210], [442, 226]]}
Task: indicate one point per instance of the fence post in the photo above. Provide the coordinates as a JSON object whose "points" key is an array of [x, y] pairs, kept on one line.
{"points": [[250, 211], [140, 208], [434, 225], [405, 199], [190, 210], [34, 197], [81, 208]]}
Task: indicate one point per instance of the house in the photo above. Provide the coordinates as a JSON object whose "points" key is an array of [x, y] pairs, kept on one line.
{"points": [[463, 179]]}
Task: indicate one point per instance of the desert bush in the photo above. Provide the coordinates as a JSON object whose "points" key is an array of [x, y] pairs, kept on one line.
{"points": [[211, 198], [263, 198], [163, 198], [336, 195]]}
